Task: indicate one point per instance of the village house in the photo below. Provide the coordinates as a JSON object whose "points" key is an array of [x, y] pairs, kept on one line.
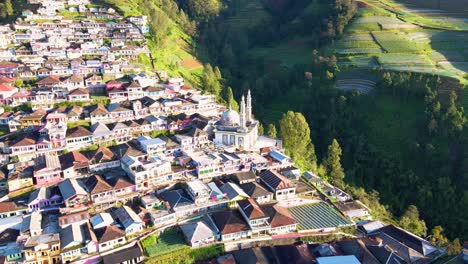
{"points": [[129, 255], [130, 221], [99, 113], [44, 197], [19, 177], [74, 164], [11, 209], [78, 138], [353, 209], [6, 91], [230, 225], [78, 95], [198, 191], [24, 147], [101, 133], [102, 195], [80, 217], [152, 146], [255, 217], [76, 239], [73, 193], [110, 237], [257, 192], [199, 233], [101, 220], [43, 248], [282, 187], [281, 221], [47, 170]]}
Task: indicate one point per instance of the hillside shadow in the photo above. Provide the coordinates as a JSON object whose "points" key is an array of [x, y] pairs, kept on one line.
{"points": [[452, 47]]}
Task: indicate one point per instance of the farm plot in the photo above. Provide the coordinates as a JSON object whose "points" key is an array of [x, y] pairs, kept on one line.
{"points": [[362, 85], [386, 22], [364, 27], [407, 59], [317, 216], [360, 61], [357, 47], [395, 42]]}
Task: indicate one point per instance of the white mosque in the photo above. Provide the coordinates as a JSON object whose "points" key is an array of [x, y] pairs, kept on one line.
{"points": [[237, 130]]}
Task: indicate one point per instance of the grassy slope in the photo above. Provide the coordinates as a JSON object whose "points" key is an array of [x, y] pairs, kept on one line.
{"points": [[177, 45]]}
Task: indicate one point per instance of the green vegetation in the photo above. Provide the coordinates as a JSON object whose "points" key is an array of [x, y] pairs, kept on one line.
{"points": [[295, 133], [332, 164], [189, 255], [166, 242]]}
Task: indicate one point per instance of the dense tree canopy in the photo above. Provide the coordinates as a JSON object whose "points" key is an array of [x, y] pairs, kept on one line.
{"points": [[411, 221], [204, 9], [272, 130], [295, 133]]}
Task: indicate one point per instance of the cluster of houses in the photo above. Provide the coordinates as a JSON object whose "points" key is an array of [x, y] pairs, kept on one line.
{"points": [[377, 244], [66, 59], [101, 153]]}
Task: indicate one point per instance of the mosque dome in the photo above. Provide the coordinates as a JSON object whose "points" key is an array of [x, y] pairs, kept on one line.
{"points": [[230, 117]]}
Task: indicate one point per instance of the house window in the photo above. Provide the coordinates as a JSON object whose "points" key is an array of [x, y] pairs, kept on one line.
{"points": [[232, 139]]}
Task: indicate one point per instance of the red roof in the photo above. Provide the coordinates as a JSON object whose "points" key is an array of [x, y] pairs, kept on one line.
{"points": [[6, 88], [8, 65], [251, 209], [8, 207], [6, 80]]}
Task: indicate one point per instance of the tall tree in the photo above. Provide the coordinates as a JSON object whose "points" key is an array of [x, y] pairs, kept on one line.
{"points": [[295, 133], [210, 81], [454, 248], [437, 236], [261, 130], [9, 7], [411, 221], [454, 116], [229, 98], [271, 132], [332, 163]]}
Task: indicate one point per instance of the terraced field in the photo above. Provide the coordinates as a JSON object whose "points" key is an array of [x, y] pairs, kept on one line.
{"points": [[382, 38], [317, 216]]}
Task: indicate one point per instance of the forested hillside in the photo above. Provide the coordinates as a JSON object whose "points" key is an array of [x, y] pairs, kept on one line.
{"points": [[405, 143]]}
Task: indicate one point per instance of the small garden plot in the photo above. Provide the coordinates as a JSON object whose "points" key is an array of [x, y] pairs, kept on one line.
{"points": [[317, 216], [358, 51], [377, 19], [412, 68], [359, 61], [358, 37], [357, 45], [363, 27], [167, 242], [405, 59], [394, 42]]}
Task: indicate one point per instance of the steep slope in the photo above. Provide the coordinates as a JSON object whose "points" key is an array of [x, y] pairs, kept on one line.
{"points": [[170, 41]]}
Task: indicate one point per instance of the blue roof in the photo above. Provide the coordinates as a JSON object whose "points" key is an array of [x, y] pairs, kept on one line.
{"points": [[351, 259], [278, 155]]}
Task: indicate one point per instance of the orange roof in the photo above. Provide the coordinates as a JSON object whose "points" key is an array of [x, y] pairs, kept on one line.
{"points": [[6, 88]]}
